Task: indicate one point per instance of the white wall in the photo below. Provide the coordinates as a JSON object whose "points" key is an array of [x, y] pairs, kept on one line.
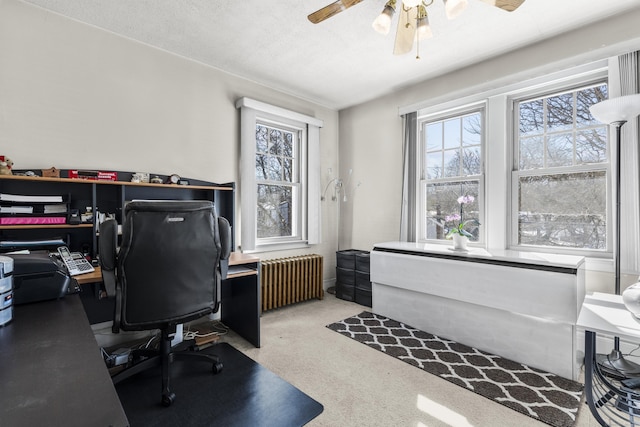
{"points": [[75, 96], [370, 133]]}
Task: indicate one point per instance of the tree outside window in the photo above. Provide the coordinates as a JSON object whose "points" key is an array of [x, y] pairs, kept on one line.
{"points": [[277, 182], [452, 168], [560, 173]]}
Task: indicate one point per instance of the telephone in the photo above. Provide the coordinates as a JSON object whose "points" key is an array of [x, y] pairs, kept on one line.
{"points": [[75, 262]]}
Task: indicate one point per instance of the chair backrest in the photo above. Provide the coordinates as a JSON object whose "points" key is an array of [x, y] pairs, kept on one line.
{"points": [[168, 266]]}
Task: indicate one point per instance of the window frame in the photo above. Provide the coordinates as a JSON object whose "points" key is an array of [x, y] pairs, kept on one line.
{"points": [[423, 181], [298, 183], [308, 210], [543, 92]]}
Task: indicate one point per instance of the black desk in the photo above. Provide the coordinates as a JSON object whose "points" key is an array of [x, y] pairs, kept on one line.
{"points": [[51, 370], [241, 297]]}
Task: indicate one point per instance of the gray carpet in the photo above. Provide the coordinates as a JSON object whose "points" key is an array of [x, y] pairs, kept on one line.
{"points": [[546, 397]]}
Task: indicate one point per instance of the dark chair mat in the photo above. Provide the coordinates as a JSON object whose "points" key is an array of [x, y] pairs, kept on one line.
{"points": [[243, 394]]}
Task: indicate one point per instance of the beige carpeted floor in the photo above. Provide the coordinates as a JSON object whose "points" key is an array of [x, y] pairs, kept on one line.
{"points": [[359, 386]]}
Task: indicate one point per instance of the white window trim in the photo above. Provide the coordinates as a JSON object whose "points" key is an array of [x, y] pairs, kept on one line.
{"points": [[299, 189], [498, 151], [250, 111], [543, 91], [423, 181]]}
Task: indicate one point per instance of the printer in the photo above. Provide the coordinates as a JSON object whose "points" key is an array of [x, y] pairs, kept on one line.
{"points": [[38, 277]]}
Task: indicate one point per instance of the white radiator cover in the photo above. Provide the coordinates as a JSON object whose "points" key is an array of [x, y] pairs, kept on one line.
{"points": [[520, 306]]}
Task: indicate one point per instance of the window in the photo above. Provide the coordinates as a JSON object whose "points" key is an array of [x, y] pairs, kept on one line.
{"points": [[279, 177], [278, 181], [451, 186], [561, 164]]}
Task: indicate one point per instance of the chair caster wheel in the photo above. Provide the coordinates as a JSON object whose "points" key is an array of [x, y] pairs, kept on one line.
{"points": [[217, 367], [167, 399]]}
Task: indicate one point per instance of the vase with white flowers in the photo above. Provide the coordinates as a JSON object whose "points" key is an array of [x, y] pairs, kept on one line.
{"points": [[457, 230]]}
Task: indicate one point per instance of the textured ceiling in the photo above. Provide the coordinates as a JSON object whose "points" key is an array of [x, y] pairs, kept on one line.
{"points": [[341, 61]]}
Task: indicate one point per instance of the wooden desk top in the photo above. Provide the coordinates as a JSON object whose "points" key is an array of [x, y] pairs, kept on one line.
{"points": [[93, 277], [236, 259]]}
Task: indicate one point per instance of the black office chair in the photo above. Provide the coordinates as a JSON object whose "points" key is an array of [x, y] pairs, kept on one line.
{"points": [[167, 272]]}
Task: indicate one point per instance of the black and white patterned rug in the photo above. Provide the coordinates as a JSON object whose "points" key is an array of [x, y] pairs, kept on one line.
{"points": [[546, 397]]}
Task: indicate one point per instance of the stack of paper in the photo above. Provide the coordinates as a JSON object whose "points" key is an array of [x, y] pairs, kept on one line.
{"points": [[16, 209], [21, 198], [31, 243], [57, 208]]}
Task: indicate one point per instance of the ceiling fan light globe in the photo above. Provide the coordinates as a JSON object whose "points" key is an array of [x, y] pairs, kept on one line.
{"points": [[382, 23], [424, 29], [453, 8]]}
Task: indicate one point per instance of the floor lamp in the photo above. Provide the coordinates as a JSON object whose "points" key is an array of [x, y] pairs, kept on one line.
{"points": [[616, 112]]}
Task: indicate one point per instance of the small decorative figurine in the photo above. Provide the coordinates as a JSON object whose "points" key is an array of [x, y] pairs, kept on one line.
{"points": [[5, 165]]}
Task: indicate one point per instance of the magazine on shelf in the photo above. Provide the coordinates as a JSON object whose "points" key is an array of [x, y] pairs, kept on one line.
{"points": [[57, 208], [22, 198], [31, 220], [31, 243], [16, 209]]}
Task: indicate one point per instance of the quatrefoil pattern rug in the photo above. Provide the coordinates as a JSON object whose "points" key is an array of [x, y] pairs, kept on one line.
{"points": [[546, 397]]}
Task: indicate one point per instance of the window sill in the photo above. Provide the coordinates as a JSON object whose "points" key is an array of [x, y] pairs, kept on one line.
{"points": [[278, 247], [499, 256]]}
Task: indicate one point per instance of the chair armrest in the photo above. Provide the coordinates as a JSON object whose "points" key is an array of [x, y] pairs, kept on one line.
{"points": [[107, 249], [224, 229]]}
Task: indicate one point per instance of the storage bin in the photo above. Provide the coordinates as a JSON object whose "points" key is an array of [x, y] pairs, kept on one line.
{"points": [[347, 262], [363, 297], [347, 258], [363, 280], [345, 276], [345, 292], [363, 262]]}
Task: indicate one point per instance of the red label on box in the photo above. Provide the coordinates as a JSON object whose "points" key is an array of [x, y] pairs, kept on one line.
{"points": [[94, 175]]}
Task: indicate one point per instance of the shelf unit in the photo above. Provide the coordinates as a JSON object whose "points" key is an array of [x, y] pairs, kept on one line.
{"points": [[98, 196]]}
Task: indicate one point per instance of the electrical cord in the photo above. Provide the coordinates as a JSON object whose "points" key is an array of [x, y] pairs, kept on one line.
{"points": [[104, 353], [218, 329], [633, 351], [146, 346]]}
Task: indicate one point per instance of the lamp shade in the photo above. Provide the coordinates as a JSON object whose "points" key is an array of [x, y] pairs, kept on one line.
{"points": [[620, 109]]}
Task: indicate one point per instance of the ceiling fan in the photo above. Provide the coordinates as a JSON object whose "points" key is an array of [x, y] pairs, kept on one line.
{"points": [[413, 23]]}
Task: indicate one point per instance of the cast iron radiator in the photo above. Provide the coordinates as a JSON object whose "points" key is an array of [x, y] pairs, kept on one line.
{"points": [[286, 281]]}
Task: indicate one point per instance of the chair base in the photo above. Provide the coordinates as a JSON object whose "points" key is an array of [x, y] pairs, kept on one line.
{"points": [[163, 358]]}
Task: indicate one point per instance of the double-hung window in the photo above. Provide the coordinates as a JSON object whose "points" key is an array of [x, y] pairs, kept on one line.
{"points": [[278, 181], [279, 177], [452, 179], [560, 174]]}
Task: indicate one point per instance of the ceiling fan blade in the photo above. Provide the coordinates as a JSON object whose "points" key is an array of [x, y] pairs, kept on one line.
{"points": [[406, 32], [331, 9], [508, 5]]}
